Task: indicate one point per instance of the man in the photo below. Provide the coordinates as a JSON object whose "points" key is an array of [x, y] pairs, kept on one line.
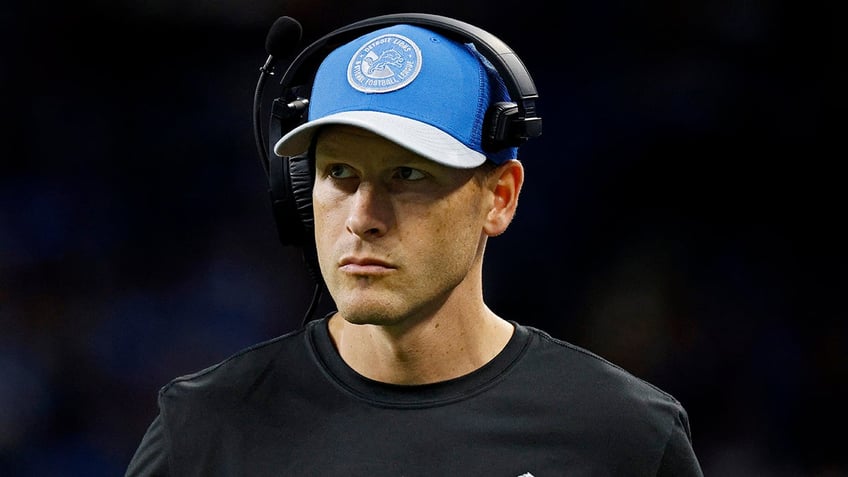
{"points": [[413, 375]]}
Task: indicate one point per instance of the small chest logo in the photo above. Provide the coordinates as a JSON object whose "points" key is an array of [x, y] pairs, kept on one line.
{"points": [[386, 63]]}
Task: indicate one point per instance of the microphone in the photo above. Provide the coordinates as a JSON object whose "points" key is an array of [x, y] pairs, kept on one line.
{"points": [[283, 37]]}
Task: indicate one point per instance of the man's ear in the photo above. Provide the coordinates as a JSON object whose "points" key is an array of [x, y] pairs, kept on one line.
{"points": [[505, 184]]}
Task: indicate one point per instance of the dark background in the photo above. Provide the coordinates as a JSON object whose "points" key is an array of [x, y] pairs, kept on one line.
{"points": [[680, 214]]}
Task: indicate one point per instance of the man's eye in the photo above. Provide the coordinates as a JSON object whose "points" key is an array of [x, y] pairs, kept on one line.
{"points": [[409, 174], [339, 171]]}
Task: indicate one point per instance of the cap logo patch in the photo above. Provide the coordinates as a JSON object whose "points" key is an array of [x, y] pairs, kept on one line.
{"points": [[385, 63]]}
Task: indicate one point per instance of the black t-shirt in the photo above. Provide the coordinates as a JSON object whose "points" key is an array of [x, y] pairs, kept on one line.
{"points": [[292, 407]]}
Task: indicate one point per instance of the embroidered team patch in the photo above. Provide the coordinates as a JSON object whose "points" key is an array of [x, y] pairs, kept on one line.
{"points": [[386, 63]]}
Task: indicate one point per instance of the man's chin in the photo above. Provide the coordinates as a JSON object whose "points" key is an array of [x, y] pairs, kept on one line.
{"points": [[366, 307], [376, 319]]}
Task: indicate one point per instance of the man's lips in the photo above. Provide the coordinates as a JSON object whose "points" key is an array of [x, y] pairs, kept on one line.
{"points": [[364, 265]]}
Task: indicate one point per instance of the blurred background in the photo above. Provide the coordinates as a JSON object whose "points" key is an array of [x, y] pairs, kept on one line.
{"points": [[681, 214]]}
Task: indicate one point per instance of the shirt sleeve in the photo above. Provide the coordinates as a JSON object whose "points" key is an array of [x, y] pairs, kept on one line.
{"points": [[151, 456], [679, 458]]}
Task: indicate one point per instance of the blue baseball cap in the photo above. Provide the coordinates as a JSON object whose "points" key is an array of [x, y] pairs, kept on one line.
{"points": [[412, 86]]}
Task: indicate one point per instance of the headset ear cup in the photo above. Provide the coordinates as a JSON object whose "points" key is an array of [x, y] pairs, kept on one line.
{"points": [[302, 176], [283, 204], [290, 180], [496, 126]]}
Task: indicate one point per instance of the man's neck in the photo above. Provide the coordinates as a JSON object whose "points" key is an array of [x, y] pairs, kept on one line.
{"points": [[438, 348]]}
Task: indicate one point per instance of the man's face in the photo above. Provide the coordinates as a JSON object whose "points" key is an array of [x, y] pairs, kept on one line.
{"points": [[396, 233]]}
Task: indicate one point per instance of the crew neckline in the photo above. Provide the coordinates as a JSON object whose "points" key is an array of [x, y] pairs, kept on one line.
{"points": [[419, 395]]}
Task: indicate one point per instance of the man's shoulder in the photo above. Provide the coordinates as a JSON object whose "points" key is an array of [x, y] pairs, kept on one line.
{"points": [[609, 407], [238, 372], [579, 370]]}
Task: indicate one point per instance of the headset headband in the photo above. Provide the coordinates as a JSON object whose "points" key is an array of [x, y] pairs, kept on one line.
{"points": [[522, 89]]}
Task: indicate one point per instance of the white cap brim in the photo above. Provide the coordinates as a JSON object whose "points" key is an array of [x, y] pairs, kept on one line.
{"points": [[418, 137]]}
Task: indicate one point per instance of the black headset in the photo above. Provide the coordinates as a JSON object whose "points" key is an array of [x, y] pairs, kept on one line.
{"points": [[290, 179]]}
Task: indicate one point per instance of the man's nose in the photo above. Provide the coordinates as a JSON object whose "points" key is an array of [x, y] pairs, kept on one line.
{"points": [[368, 214]]}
